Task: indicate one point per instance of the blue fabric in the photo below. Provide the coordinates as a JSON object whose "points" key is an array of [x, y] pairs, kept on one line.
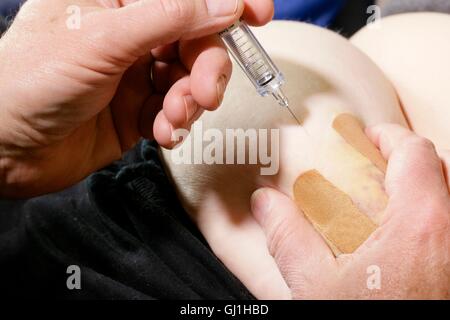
{"points": [[9, 7], [320, 12]]}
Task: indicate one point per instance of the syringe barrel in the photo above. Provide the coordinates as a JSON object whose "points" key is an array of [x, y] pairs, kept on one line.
{"points": [[252, 58]]}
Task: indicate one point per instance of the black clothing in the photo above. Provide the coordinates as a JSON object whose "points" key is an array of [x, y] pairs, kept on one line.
{"points": [[125, 229]]}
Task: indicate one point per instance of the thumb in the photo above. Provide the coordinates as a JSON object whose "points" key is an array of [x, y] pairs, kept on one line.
{"points": [[415, 173], [414, 165], [299, 251], [146, 24]]}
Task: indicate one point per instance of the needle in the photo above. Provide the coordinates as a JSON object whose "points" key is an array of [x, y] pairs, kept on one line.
{"points": [[284, 102], [293, 115]]}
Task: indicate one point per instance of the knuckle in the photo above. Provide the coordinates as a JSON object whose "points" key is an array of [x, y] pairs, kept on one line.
{"points": [[278, 237], [178, 12], [435, 218], [421, 143]]}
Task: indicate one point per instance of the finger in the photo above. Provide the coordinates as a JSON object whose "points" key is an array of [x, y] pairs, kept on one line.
{"points": [[149, 111], [210, 67], [445, 157], [299, 251], [166, 53], [416, 184], [164, 75], [180, 107], [387, 137], [163, 131], [414, 175], [133, 90], [152, 23], [258, 12]]}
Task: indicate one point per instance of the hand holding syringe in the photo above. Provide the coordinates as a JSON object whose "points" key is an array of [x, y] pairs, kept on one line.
{"points": [[255, 62]]}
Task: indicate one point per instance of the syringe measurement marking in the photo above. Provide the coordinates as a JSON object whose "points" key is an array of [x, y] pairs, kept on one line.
{"points": [[248, 58], [239, 38], [254, 53], [254, 61], [261, 66], [240, 43]]}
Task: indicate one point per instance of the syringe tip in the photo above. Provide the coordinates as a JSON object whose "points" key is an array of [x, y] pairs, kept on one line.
{"points": [[284, 102], [281, 97]]}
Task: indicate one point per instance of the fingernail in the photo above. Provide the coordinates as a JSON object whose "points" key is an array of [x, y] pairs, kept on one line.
{"points": [[261, 204], [173, 138], [197, 115], [221, 86], [222, 8], [191, 108]]}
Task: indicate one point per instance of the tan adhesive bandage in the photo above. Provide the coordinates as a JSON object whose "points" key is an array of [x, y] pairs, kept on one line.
{"points": [[332, 213], [353, 133]]}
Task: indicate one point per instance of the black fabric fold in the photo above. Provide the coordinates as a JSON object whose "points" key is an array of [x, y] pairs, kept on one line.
{"points": [[125, 229]]}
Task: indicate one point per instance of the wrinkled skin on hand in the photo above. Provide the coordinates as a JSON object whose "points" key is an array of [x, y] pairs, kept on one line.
{"points": [[74, 100]]}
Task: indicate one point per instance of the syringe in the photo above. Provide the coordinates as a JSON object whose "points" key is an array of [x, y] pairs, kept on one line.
{"points": [[255, 62]]}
